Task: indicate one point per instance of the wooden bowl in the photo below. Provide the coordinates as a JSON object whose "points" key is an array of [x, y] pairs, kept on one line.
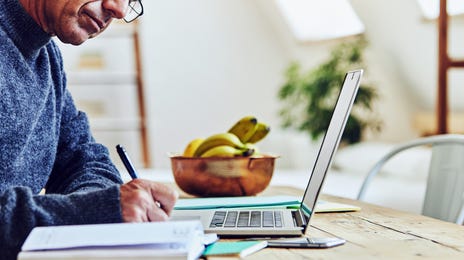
{"points": [[221, 177]]}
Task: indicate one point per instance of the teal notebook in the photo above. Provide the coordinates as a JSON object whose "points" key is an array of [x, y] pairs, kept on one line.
{"points": [[238, 202], [282, 201], [237, 248]]}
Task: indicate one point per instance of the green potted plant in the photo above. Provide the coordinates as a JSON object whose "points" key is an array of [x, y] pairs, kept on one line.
{"points": [[308, 97]]}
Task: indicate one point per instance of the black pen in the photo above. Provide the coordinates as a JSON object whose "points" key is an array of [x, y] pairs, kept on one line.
{"points": [[127, 162]]}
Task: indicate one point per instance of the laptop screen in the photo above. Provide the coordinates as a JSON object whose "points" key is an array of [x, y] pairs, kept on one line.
{"points": [[331, 140]]}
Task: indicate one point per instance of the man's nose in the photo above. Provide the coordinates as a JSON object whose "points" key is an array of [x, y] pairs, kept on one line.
{"points": [[117, 8]]}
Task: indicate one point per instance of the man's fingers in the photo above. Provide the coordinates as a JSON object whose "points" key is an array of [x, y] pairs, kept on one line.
{"points": [[164, 196], [156, 213], [143, 200]]}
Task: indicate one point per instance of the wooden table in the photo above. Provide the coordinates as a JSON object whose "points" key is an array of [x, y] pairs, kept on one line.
{"points": [[373, 233]]}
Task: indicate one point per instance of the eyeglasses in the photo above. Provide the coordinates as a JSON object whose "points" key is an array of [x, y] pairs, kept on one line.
{"points": [[134, 11]]}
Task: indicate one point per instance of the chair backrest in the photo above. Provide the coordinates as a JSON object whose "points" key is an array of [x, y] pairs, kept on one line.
{"points": [[444, 198]]}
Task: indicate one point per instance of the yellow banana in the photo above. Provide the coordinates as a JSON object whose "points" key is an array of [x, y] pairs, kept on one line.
{"points": [[225, 151], [261, 131], [217, 140], [192, 147], [244, 128]]}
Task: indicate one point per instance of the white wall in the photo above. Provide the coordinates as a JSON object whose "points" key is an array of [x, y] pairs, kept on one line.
{"points": [[206, 63]]}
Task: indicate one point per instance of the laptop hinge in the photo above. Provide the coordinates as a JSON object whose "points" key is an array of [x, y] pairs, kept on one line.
{"points": [[299, 218]]}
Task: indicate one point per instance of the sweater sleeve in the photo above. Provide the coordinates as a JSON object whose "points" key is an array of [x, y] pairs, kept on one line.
{"points": [[81, 163], [22, 211]]}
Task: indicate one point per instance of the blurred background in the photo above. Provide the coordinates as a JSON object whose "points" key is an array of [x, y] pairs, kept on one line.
{"points": [[189, 69]]}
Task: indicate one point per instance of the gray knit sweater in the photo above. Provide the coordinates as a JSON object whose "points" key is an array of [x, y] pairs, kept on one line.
{"points": [[45, 142]]}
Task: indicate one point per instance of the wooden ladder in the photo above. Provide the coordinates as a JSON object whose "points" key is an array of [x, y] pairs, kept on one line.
{"points": [[445, 62]]}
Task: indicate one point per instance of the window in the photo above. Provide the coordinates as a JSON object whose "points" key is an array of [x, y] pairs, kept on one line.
{"points": [[313, 20]]}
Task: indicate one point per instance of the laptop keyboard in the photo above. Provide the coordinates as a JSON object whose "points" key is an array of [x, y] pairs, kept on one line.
{"points": [[254, 218]]}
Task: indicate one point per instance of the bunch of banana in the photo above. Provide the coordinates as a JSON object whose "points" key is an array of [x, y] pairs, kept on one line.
{"points": [[238, 141], [249, 130], [244, 128]]}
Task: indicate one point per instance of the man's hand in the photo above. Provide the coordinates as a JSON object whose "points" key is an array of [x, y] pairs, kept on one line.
{"points": [[144, 201]]}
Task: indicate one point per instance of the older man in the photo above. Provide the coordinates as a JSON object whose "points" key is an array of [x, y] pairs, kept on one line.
{"points": [[45, 142]]}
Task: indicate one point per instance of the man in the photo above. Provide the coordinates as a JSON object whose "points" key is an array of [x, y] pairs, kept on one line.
{"points": [[45, 142]]}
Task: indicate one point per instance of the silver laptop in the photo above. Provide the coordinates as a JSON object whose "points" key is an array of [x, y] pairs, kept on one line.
{"points": [[284, 222]]}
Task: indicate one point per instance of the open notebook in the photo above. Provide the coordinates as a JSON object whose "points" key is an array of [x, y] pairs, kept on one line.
{"points": [[154, 240]]}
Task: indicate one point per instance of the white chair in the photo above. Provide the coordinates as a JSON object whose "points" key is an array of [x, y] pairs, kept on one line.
{"points": [[444, 196]]}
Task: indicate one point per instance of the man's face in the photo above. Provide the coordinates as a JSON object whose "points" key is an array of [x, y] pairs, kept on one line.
{"points": [[75, 21]]}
